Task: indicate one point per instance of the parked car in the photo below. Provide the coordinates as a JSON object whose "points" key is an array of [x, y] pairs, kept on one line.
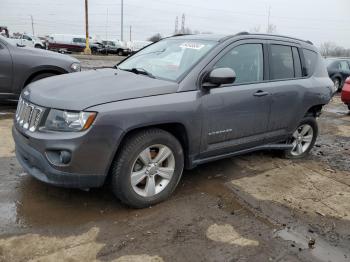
{"points": [[29, 41], [345, 93], [115, 47], [136, 45], [20, 66], [338, 70], [72, 43], [178, 103]]}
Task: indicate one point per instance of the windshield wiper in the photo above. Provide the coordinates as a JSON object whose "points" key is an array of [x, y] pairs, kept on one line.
{"points": [[139, 71]]}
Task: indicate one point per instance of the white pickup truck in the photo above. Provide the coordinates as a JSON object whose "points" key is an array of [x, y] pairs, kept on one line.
{"points": [[28, 40]]}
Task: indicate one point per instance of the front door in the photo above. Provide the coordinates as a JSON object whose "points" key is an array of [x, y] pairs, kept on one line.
{"points": [[236, 116]]}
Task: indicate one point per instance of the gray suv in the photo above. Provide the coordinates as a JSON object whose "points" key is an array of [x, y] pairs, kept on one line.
{"points": [[178, 103]]}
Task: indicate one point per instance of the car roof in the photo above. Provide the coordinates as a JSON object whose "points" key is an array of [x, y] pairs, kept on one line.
{"points": [[244, 35]]}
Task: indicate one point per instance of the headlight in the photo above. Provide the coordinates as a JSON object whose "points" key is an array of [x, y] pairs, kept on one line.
{"points": [[59, 120], [75, 67]]}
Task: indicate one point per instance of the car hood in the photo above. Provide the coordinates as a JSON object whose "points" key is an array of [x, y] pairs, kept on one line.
{"points": [[45, 53], [78, 91]]}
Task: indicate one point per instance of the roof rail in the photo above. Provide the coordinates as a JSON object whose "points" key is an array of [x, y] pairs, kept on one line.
{"points": [[289, 37]]}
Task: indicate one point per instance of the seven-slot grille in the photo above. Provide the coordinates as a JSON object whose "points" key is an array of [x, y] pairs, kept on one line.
{"points": [[28, 115]]}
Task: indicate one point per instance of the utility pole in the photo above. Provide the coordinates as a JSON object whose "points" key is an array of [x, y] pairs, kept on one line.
{"points": [[122, 20], [176, 25], [87, 50], [183, 24], [107, 26], [268, 20], [130, 33], [31, 17]]}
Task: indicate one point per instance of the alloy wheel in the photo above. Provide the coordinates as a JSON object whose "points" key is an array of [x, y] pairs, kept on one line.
{"points": [[152, 170], [302, 139]]}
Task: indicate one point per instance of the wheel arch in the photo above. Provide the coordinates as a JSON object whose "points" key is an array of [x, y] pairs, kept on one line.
{"points": [[178, 130], [314, 111], [42, 70]]}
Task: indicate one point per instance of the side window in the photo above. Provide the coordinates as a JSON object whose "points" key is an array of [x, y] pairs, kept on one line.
{"points": [[27, 38], [297, 63], [344, 66], [247, 62], [281, 64], [310, 60]]}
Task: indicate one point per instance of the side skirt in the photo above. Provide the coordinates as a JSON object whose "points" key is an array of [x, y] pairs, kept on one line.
{"points": [[241, 152]]}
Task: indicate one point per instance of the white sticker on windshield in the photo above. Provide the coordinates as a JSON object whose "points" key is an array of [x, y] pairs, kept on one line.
{"points": [[196, 46]]}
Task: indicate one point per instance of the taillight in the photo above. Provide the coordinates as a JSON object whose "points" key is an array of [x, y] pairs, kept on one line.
{"points": [[347, 80]]}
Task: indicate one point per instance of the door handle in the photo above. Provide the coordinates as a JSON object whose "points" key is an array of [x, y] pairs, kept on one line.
{"points": [[261, 93]]}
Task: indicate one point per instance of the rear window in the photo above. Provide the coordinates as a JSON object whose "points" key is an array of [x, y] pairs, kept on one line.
{"points": [[282, 66], [310, 61]]}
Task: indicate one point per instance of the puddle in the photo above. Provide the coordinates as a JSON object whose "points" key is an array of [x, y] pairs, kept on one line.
{"points": [[27, 198], [321, 250], [8, 213], [6, 115]]}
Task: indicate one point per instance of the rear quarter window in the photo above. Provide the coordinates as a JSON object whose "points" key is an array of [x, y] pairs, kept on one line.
{"points": [[310, 61]]}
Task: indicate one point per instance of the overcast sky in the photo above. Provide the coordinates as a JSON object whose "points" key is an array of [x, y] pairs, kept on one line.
{"points": [[315, 20]]}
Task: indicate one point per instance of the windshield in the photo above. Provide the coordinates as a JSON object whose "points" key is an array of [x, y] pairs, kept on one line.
{"points": [[168, 59]]}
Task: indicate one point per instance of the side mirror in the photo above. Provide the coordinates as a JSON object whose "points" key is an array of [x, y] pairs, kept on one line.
{"points": [[219, 76]]}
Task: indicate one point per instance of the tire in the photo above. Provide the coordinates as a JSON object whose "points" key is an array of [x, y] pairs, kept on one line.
{"points": [[41, 76], [337, 84], [128, 163], [39, 46], [308, 139], [349, 107], [120, 53]]}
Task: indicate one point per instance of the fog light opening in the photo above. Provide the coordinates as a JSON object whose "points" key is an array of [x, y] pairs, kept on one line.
{"points": [[65, 157]]}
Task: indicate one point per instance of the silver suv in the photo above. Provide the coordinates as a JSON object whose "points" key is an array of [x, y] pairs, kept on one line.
{"points": [[178, 103]]}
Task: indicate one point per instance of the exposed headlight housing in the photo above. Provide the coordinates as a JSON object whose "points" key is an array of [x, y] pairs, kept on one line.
{"points": [[75, 67], [68, 121]]}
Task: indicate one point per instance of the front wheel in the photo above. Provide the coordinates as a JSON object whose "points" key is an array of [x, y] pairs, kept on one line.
{"points": [[303, 138], [148, 168]]}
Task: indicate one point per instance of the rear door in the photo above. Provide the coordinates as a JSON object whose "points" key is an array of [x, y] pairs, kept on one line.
{"points": [[6, 68], [287, 86]]}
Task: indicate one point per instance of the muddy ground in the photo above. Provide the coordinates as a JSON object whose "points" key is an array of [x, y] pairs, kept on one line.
{"points": [[256, 207]]}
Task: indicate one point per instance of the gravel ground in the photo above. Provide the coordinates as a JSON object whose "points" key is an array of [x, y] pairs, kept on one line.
{"points": [[256, 207]]}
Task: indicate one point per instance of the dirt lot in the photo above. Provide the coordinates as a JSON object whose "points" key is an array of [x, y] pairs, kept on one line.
{"points": [[256, 207]]}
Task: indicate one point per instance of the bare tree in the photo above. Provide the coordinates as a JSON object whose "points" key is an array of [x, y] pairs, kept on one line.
{"points": [[255, 29], [332, 49], [271, 29]]}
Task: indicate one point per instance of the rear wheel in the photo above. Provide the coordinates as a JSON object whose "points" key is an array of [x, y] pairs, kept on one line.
{"points": [[337, 83], [148, 168], [303, 138], [120, 53]]}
